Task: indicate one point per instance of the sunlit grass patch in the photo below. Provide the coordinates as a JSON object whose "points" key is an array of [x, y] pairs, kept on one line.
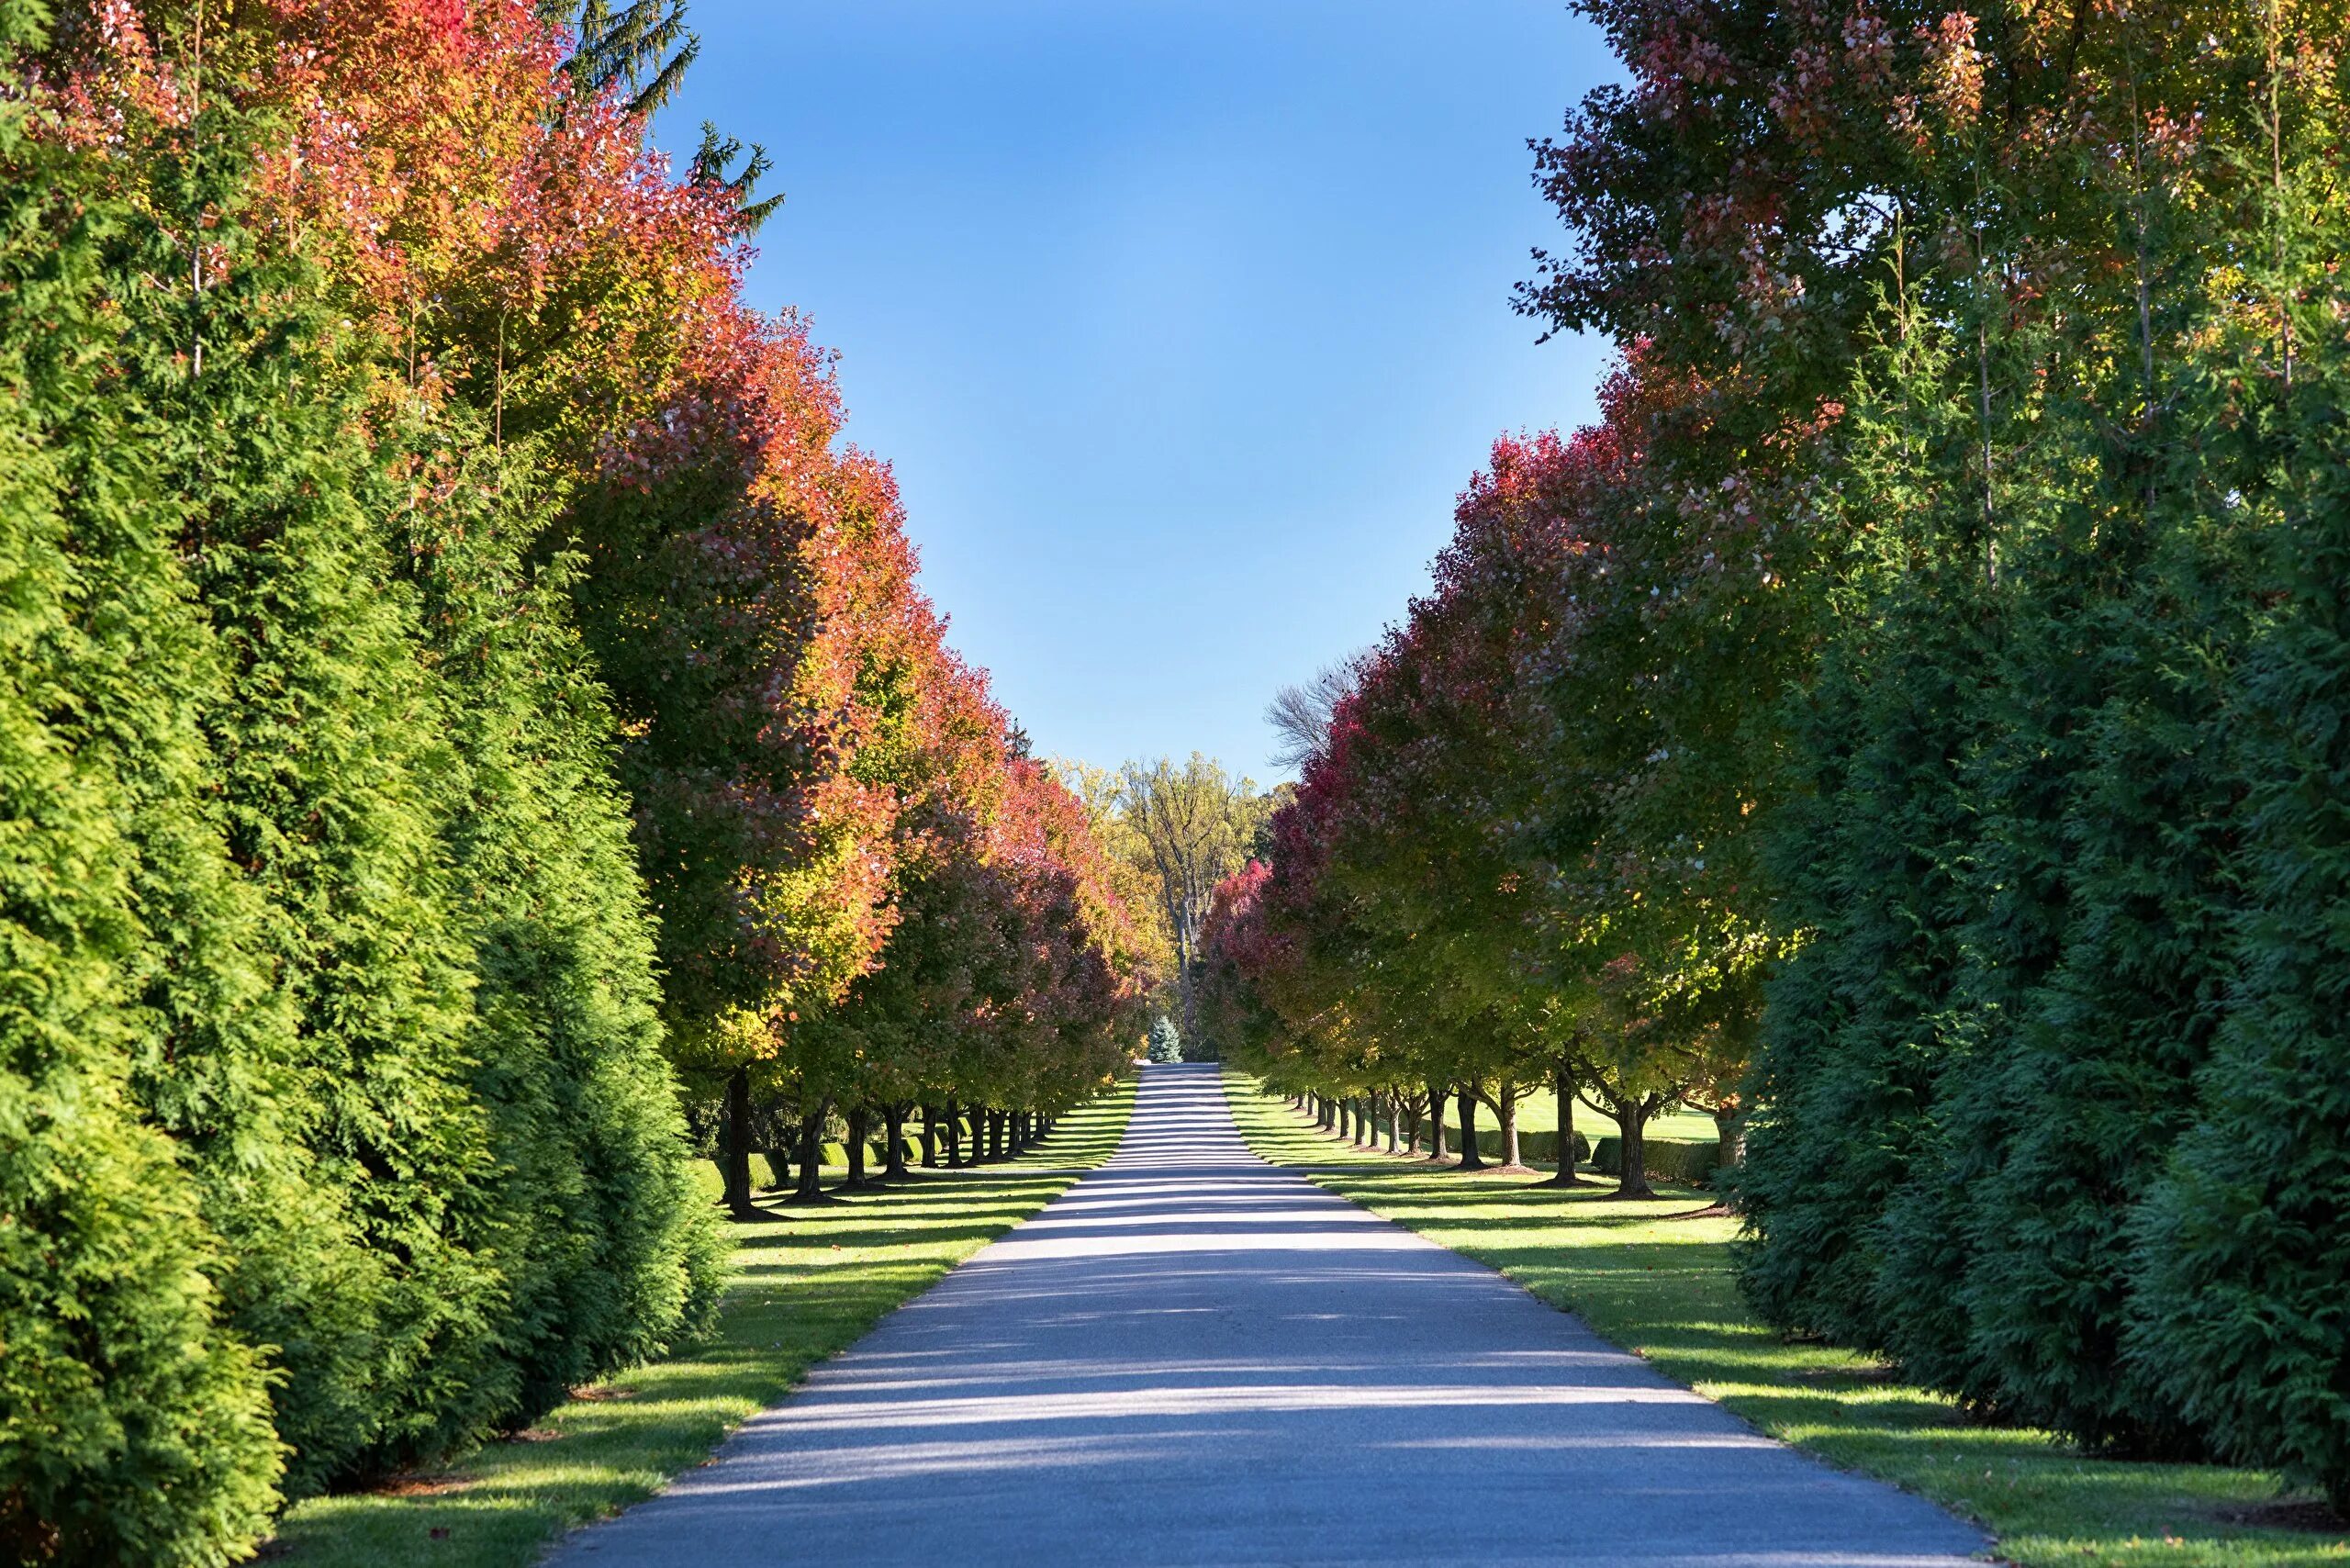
{"points": [[808, 1283], [1655, 1278]]}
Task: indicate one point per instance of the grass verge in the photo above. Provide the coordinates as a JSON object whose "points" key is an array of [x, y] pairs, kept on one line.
{"points": [[809, 1284], [1658, 1282]]}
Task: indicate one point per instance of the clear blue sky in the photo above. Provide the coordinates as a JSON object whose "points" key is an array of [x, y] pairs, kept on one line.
{"points": [[1181, 322]]}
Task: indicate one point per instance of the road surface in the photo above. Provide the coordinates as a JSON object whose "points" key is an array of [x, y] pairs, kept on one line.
{"points": [[1195, 1358]]}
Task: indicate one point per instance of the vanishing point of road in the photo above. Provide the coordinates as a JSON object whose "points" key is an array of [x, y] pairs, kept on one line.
{"points": [[1195, 1358]]}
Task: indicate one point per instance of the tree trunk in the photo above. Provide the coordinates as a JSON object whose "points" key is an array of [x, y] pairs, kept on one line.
{"points": [[858, 1120], [1394, 1120], [1730, 1125], [1632, 1121], [1509, 1127], [811, 1154], [951, 1129], [1436, 1120], [1323, 1113], [893, 1163], [738, 1145], [1471, 1156], [1370, 1125], [930, 1137], [1408, 1112], [995, 1135], [1562, 1084]]}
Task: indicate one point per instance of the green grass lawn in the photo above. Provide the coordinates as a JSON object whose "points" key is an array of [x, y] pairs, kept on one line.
{"points": [[809, 1284], [1660, 1285], [1537, 1112]]}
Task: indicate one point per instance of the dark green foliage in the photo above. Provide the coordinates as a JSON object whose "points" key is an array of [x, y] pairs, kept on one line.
{"points": [[2044, 1115], [2243, 1305], [1869, 857]]}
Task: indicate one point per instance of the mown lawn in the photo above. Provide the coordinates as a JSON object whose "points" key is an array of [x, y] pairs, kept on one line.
{"points": [[810, 1283], [1659, 1283]]}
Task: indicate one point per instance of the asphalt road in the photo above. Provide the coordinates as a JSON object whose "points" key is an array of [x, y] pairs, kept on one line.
{"points": [[1195, 1358]]}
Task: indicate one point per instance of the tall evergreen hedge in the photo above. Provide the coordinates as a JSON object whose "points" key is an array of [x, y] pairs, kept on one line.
{"points": [[133, 1427], [335, 1126], [2052, 1095]]}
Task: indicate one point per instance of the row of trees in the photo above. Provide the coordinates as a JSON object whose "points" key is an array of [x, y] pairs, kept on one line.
{"points": [[455, 678], [1921, 690], [1173, 831]]}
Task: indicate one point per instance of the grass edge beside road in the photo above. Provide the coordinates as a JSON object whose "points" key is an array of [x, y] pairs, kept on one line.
{"points": [[807, 1284], [1654, 1278]]}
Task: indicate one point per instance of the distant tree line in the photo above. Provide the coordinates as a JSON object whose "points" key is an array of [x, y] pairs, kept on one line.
{"points": [[455, 680], [1910, 723]]}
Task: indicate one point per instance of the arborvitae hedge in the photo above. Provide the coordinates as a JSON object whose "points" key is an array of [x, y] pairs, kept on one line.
{"points": [[2093, 1179], [2242, 1301], [335, 1127], [610, 1251], [1871, 855], [132, 1427]]}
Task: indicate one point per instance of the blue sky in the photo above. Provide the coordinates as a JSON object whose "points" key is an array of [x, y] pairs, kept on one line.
{"points": [[1181, 323]]}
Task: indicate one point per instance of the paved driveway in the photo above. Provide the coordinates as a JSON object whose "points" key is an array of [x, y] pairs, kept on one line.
{"points": [[1195, 1358]]}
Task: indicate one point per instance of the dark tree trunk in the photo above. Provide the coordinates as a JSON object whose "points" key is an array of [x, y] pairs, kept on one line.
{"points": [[1509, 1127], [1408, 1108], [1394, 1120], [1562, 1084], [738, 1145], [1632, 1121], [1436, 1120], [1471, 1156], [858, 1120], [811, 1154], [893, 1163], [1323, 1113], [930, 1137], [995, 1135]]}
